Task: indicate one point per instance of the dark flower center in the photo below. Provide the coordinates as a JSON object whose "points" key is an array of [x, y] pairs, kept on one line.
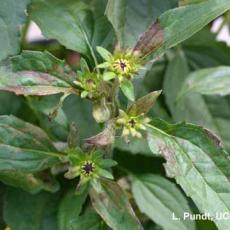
{"points": [[88, 167], [132, 122], [90, 81], [123, 65]]}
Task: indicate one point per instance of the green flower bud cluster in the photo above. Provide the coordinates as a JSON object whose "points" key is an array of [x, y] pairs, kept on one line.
{"points": [[132, 125], [88, 83], [89, 166], [123, 65]]}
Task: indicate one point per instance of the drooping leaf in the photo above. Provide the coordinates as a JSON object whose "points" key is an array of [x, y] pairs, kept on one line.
{"points": [[12, 16], [161, 200], [177, 25], [212, 81], [195, 158], [130, 18], [144, 104], [112, 204]]}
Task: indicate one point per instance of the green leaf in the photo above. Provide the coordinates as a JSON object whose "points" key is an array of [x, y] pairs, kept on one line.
{"points": [[105, 54], [69, 209], [128, 89], [187, 2], [211, 81], [112, 204], [25, 160], [197, 161], [12, 16], [24, 146], [32, 83], [70, 216], [17, 133], [144, 104], [44, 106], [160, 200], [57, 127], [177, 25], [28, 138], [130, 18], [43, 62], [107, 76], [82, 117], [89, 220], [82, 27], [39, 210], [210, 111]]}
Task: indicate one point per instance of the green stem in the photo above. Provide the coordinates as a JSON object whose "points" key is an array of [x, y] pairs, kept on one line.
{"points": [[24, 33]]}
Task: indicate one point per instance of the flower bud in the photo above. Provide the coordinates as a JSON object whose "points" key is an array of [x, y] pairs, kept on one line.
{"points": [[101, 112]]}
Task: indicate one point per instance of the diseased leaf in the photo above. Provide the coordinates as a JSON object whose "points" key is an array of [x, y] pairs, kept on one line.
{"points": [[210, 111], [151, 40], [212, 81], [25, 160], [160, 200], [43, 62], [27, 138], [144, 104], [32, 83], [44, 106], [178, 24], [24, 147], [130, 18], [12, 16], [113, 206], [195, 158], [29, 182]]}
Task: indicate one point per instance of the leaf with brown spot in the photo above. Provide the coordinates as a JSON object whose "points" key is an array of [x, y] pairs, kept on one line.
{"points": [[178, 24], [32, 83], [151, 40], [144, 104], [104, 138], [112, 204], [199, 164]]}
